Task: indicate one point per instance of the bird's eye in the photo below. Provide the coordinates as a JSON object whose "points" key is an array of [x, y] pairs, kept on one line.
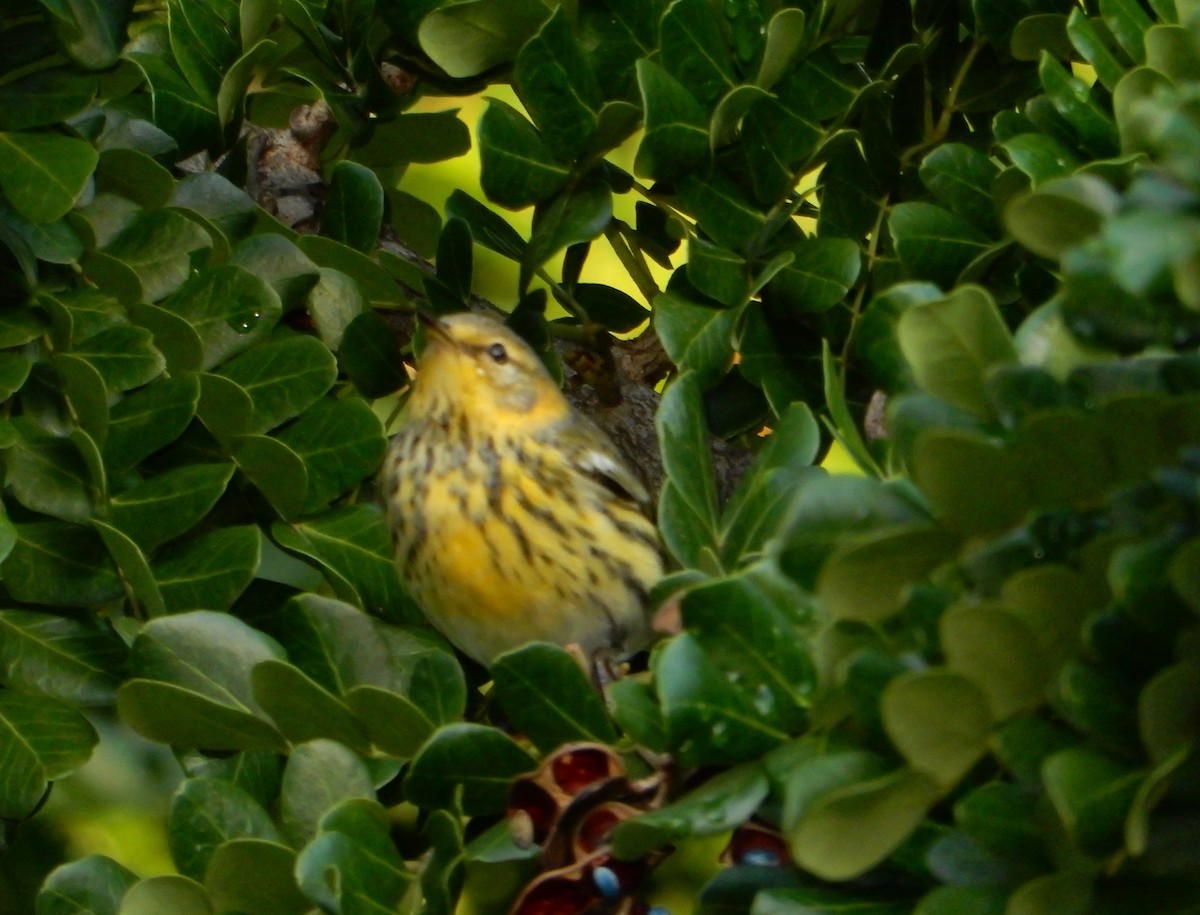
{"points": [[498, 353]]}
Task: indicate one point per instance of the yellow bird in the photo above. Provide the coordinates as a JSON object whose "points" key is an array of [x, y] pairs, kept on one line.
{"points": [[513, 516]]}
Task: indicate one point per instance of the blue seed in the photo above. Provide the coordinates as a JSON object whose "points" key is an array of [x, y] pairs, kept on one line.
{"points": [[607, 883], [761, 857]]}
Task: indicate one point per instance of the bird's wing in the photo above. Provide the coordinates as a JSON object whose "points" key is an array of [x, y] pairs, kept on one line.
{"points": [[593, 454]]}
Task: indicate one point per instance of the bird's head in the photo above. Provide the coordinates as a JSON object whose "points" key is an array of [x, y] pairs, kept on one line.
{"points": [[477, 366]]}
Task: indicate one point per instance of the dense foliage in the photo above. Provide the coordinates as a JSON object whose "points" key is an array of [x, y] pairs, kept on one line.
{"points": [[966, 681]]}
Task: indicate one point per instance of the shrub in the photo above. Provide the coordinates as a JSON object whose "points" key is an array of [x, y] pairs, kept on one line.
{"points": [[962, 682]]}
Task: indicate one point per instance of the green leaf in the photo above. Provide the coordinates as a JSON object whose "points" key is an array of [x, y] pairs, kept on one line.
{"points": [[547, 695], [94, 885], [353, 864], [723, 802], [687, 457], [341, 443], [488, 228], [169, 504], [79, 661], [157, 246], [722, 208], [354, 547], [416, 136], [354, 207], [44, 97], [697, 338], [464, 39], [288, 269], [557, 86], [48, 474], [396, 724], [675, 137], [57, 563], [939, 721], [950, 466], [517, 167], [717, 272], [254, 875], [318, 776], [758, 645], [851, 829], [951, 344], [218, 202], [710, 721], [998, 653], [579, 215], [174, 337], [1061, 214], [334, 302], [1092, 793], [1063, 893], [932, 243], [166, 893], [820, 273], [304, 710], [284, 377], [370, 356], [41, 740], [961, 179], [1040, 156], [467, 763], [231, 309], [42, 174], [204, 813], [1072, 99], [210, 571], [192, 121], [693, 49], [868, 577], [636, 712]]}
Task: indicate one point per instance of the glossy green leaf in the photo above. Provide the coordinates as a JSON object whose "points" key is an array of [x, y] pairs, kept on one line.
{"points": [[558, 88], [42, 174], [675, 136], [696, 337], [686, 456], [548, 697], [469, 764], [169, 504], [352, 543], [302, 709], [819, 275], [353, 864], [869, 577], [93, 884], [41, 739], [210, 571], [932, 243], [283, 377], [204, 813], [157, 246], [723, 802], [465, 39], [951, 344], [53, 562], [254, 875], [75, 660], [166, 893], [319, 775], [851, 829], [354, 207], [694, 50], [1092, 794], [230, 308], [939, 721], [577, 215], [517, 167], [710, 721]]}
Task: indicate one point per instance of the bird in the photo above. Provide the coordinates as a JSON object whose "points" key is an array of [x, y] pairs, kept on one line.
{"points": [[513, 516]]}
